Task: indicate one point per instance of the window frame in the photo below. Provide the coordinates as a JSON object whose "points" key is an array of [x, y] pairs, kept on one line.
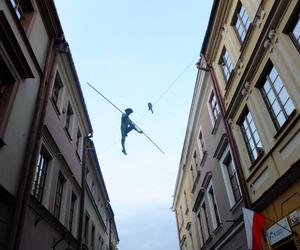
{"points": [[291, 24], [237, 17], [223, 63], [224, 159], [93, 237], [201, 145], [24, 10], [69, 120], [259, 150], [79, 143], [213, 207], [72, 211], [86, 229], [264, 78], [8, 91], [214, 106], [39, 179], [61, 180], [203, 221], [56, 92]]}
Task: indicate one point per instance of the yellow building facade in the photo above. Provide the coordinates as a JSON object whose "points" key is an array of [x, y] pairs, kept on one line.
{"points": [[253, 49]]}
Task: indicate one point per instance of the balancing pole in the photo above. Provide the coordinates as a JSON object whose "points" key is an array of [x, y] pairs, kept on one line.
{"points": [[123, 113]]}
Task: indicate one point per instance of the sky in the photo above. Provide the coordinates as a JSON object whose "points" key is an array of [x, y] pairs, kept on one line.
{"points": [[135, 52]]}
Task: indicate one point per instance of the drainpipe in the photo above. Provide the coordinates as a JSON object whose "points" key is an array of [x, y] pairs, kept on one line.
{"points": [[231, 139], [33, 142]]}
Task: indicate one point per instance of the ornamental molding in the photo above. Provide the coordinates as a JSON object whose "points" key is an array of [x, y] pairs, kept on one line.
{"points": [[259, 18], [239, 67], [246, 90], [271, 40]]}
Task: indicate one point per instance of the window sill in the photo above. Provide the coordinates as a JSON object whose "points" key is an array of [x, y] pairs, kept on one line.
{"points": [[236, 205], [285, 124], [246, 39], [218, 228], [78, 156], [68, 134], [259, 157], [55, 107]]}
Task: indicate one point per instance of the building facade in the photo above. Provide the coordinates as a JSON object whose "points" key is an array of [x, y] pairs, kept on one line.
{"points": [[45, 134], [252, 49], [99, 225], [208, 196]]}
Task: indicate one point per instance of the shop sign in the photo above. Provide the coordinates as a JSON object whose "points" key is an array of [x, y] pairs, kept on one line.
{"points": [[295, 218], [279, 231]]}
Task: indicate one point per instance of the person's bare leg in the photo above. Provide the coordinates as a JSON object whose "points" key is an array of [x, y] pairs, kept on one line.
{"points": [[123, 146]]}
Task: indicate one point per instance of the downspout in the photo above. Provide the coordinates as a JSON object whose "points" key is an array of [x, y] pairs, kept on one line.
{"points": [[231, 139], [32, 148]]}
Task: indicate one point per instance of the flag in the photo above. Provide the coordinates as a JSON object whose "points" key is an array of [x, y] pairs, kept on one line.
{"points": [[254, 223]]}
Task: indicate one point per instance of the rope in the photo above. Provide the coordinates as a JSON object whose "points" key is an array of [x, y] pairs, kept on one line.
{"points": [[169, 87], [123, 113]]}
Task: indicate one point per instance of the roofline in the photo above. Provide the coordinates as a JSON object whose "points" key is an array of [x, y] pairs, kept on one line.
{"points": [[54, 29], [209, 26]]}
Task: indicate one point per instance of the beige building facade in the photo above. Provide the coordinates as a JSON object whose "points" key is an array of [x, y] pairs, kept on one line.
{"points": [[253, 50]]}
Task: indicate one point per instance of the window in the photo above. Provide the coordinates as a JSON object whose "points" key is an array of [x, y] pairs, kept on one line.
{"points": [[226, 64], [40, 175], [296, 30], [69, 119], [251, 136], [181, 213], [56, 89], [186, 203], [241, 22], [215, 110], [6, 95], [86, 229], [100, 244], [59, 193], [231, 180], [213, 208], [201, 145], [93, 189], [276, 97], [24, 11], [293, 27], [72, 208], [203, 221], [93, 237], [78, 141], [18, 8], [192, 173]]}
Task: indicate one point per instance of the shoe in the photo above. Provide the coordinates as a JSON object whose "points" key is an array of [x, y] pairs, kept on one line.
{"points": [[124, 152]]}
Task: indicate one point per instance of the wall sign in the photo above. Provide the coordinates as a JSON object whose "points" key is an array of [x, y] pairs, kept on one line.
{"points": [[279, 231], [294, 218]]}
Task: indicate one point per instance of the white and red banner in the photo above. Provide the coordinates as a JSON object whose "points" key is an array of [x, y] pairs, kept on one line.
{"points": [[254, 223]]}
